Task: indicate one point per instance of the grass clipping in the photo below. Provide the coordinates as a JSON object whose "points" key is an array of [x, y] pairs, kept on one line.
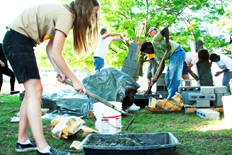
{"points": [[175, 104]]}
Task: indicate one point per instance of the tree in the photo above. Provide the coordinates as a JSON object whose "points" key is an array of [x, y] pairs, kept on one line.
{"points": [[133, 18]]}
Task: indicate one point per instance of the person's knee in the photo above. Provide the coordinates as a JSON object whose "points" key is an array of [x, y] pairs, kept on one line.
{"points": [[34, 90]]}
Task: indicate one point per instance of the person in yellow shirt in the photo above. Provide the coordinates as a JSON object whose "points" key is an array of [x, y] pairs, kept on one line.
{"points": [[33, 26], [147, 47]]}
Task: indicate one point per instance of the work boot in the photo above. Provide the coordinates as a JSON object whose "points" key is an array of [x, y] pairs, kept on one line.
{"points": [[53, 152], [25, 147]]}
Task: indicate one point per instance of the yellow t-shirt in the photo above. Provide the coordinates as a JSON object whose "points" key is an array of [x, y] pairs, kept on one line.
{"points": [[40, 22]]}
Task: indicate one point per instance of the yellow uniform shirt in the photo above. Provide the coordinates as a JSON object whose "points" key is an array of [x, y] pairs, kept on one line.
{"points": [[40, 22], [151, 56]]}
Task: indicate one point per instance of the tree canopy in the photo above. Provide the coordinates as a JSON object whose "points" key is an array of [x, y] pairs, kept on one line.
{"points": [[188, 20]]}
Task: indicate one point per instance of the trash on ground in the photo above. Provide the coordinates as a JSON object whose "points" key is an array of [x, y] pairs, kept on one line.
{"points": [[76, 145], [88, 130], [15, 118], [175, 104], [44, 111], [134, 108], [66, 126]]}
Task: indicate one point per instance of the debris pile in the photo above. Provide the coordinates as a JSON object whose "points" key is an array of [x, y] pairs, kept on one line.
{"points": [[175, 104]]}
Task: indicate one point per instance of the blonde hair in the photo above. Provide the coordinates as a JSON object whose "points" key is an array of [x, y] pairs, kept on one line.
{"points": [[85, 30]]}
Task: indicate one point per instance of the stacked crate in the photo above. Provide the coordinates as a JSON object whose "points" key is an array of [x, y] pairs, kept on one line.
{"points": [[203, 96], [131, 63]]}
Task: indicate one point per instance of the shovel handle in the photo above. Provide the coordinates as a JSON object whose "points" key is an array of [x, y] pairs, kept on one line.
{"points": [[105, 102], [98, 98]]}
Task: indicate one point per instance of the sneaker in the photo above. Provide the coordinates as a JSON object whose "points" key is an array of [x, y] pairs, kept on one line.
{"points": [[25, 147], [53, 152]]}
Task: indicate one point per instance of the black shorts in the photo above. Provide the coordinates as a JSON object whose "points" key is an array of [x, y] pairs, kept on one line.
{"points": [[19, 51]]}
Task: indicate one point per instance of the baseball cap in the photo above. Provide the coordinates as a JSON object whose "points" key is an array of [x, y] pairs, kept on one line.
{"points": [[151, 29]]}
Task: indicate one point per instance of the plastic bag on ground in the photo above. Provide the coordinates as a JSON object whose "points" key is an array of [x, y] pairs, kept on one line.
{"points": [[175, 104], [66, 126]]}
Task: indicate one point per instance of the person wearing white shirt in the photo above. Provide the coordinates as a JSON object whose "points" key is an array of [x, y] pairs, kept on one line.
{"points": [[103, 45], [192, 59], [224, 63]]}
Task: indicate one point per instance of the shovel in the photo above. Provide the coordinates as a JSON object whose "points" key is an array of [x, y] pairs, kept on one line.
{"points": [[90, 94], [156, 74]]}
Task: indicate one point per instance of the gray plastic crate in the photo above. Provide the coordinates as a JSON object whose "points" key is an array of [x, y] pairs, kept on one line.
{"points": [[138, 144]]}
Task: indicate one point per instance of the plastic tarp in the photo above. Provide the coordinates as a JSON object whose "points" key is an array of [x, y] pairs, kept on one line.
{"points": [[108, 83]]}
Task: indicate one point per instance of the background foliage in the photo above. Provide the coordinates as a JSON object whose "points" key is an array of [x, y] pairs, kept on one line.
{"points": [[188, 20]]}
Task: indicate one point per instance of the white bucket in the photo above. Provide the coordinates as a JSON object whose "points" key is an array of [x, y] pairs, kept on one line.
{"points": [[107, 120], [227, 106]]}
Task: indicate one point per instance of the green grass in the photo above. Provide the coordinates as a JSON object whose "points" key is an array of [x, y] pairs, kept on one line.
{"points": [[196, 135]]}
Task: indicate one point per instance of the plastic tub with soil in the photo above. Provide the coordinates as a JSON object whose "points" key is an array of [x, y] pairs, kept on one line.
{"points": [[130, 144]]}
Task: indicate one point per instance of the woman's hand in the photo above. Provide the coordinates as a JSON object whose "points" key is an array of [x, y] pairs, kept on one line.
{"points": [[61, 77], [79, 87]]}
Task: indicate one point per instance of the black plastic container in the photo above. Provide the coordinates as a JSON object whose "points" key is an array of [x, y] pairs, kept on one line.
{"points": [[142, 100], [149, 144]]}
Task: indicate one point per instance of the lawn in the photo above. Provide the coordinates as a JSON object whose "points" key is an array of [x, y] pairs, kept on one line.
{"points": [[196, 135]]}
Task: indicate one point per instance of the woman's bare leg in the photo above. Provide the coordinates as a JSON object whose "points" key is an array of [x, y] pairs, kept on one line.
{"points": [[30, 113]]}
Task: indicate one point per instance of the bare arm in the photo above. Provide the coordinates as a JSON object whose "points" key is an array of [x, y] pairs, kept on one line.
{"points": [[220, 72], [165, 33], [54, 52], [225, 49], [112, 34], [140, 44], [190, 70], [192, 73], [117, 39]]}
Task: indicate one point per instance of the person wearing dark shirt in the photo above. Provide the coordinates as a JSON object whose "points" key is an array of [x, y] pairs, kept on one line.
{"points": [[4, 69]]}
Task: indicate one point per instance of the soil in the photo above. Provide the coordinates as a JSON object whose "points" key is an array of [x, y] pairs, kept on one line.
{"points": [[116, 141]]}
